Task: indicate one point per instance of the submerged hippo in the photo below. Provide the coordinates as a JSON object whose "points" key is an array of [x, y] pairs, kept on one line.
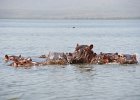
{"points": [[57, 58], [127, 59], [43, 56], [19, 61], [105, 58], [24, 62], [11, 57]]}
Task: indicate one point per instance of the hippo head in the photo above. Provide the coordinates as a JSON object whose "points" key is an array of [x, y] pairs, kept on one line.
{"points": [[11, 57], [83, 54], [86, 47], [24, 62]]}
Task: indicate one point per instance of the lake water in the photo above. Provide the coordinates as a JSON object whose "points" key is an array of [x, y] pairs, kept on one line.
{"points": [[69, 82]]}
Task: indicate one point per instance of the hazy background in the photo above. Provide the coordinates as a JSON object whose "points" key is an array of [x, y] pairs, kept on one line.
{"points": [[69, 9]]}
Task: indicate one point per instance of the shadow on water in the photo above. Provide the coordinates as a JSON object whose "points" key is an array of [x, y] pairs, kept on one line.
{"points": [[84, 67]]}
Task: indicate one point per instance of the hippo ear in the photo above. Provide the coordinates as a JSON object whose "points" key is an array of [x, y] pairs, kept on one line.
{"points": [[6, 56], [19, 56], [91, 46], [116, 53], [77, 45]]}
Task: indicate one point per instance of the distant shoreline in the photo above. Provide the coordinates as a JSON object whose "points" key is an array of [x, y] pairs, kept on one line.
{"points": [[137, 18]]}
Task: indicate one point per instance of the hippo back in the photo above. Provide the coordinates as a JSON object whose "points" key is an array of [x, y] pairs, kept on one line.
{"points": [[127, 59], [57, 58]]}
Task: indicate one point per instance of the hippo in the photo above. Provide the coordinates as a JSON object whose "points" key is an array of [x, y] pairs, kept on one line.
{"points": [[43, 56], [105, 58], [127, 59], [11, 57], [19, 61], [57, 58], [24, 62], [82, 54]]}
